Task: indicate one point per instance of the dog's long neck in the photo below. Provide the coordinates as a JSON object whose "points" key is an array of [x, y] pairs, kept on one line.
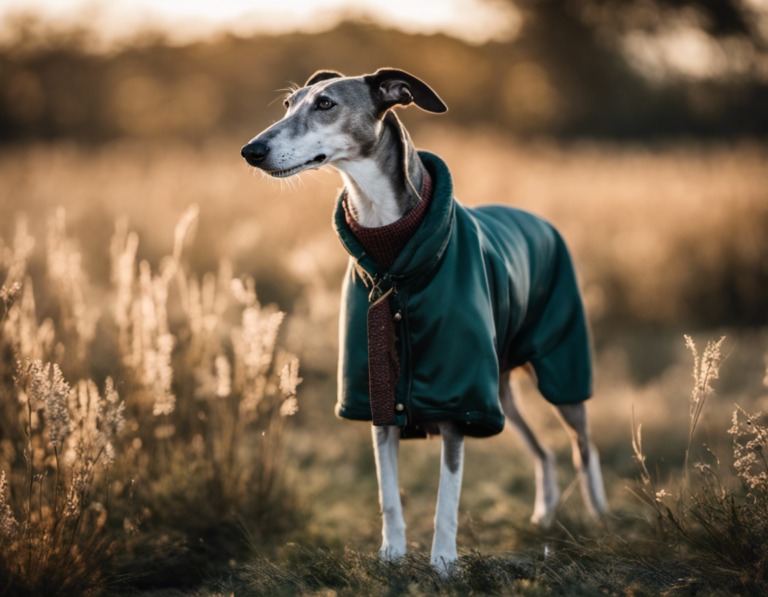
{"points": [[383, 187]]}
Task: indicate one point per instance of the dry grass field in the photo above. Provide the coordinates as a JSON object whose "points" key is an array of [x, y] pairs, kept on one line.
{"points": [[180, 299]]}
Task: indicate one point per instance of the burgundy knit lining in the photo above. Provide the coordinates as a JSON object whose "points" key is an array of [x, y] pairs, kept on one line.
{"points": [[384, 243]]}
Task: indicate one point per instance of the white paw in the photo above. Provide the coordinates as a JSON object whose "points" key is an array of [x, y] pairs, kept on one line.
{"points": [[547, 493], [392, 551], [444, 564], [543, 519], [592, 486]]}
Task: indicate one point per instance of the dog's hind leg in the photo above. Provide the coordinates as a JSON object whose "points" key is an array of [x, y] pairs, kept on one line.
{"points": [[586, 459], [385, 448], [444, 552], [547, 491]]}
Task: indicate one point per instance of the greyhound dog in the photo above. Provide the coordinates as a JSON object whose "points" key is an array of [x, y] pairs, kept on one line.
{"points": [[349, 124]]}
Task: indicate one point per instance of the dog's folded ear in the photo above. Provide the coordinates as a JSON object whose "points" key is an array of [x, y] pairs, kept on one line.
{"points": [[322, 75], [394, 87]]}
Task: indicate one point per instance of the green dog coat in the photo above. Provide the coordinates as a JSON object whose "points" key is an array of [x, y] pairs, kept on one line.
{"points": [[475, 292]]}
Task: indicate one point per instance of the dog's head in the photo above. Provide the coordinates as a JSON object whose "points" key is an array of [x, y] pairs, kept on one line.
{"points": [[334, 118]]}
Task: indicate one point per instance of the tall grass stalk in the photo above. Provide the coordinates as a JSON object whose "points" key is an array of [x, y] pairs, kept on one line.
{"points": [[720, 522], [193, 440], [53, 548], [706, 368]]}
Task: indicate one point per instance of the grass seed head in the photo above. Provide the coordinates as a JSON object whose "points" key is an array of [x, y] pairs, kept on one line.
{"points": [[750, 450], [223, 376], [56, 408], [706, 368], [9, 527]]}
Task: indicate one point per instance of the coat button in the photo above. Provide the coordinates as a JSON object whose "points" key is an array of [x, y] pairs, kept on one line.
{"points": [[398, 316], [399, 408]]}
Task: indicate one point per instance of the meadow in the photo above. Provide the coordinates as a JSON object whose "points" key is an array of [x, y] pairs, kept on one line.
{"points": [[169, 337]]}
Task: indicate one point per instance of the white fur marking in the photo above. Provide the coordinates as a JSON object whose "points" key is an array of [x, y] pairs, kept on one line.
{"points": [[592, 488], [375, 204], [444, 554], [385, 448], [547, 491]]}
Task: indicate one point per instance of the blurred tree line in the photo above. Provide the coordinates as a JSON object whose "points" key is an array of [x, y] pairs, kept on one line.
{"points": [[600, 68]]}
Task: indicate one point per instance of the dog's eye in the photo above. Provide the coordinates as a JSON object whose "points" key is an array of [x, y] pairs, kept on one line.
{"points": [[325, 104]]}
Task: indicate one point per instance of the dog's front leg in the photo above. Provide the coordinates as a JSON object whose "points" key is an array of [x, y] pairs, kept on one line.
{"points": [[385, 446], [444, 553]]}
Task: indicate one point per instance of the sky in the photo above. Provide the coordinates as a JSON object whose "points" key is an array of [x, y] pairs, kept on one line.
{"points": [[475, 21]]}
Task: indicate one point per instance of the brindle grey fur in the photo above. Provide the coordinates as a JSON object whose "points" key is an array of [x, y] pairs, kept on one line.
{"points": [[362, 137], [452, 444]]}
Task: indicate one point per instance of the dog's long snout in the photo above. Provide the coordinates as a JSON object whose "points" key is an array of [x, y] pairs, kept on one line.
{"points": [[254, 153]]}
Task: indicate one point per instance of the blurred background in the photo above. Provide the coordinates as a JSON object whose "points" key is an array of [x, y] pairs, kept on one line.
{"points": [[639, 128]]}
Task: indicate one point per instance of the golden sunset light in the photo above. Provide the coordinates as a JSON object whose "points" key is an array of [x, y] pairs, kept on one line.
{"points": [[475, 21], [383, 298]]}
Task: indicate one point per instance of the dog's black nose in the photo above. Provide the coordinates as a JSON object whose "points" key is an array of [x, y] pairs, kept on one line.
{"points": [[255, 152]]}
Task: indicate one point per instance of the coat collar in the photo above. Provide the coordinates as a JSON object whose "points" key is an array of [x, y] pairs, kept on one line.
{"points": [[425, 248]]}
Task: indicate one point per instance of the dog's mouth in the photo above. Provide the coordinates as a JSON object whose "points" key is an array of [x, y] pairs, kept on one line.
{"points": [[316, 161]]}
